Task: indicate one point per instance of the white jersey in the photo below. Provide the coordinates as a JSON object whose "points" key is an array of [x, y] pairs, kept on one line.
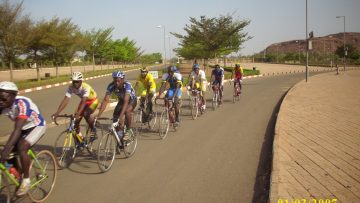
{"points": [[25, 108], [165, 76], [199, 76]]}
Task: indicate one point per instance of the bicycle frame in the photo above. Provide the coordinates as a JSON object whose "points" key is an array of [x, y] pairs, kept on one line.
{"points": [[32, 155]]}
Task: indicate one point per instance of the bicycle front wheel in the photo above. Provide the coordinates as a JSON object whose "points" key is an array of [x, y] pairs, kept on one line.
{"points": [[43, 172], [164, 124], [4, 189], [106, 151], [194, 108], [130, 144], [65, 149]]}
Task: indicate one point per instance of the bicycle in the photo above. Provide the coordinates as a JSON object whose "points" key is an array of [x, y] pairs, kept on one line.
{"points": [[195, 103], [216, 97], [237, 91], [111, 142], [143, 116], [168, 118], [43, 172], [69, 143]]}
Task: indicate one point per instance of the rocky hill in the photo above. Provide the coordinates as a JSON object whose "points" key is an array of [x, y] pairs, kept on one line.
{"points": [[322, 45]]}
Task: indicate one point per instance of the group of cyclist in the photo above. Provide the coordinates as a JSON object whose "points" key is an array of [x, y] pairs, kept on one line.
{"points": [[30, 125]]}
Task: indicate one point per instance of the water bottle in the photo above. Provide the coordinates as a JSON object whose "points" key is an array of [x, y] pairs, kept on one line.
{"points": [[13, 171]]}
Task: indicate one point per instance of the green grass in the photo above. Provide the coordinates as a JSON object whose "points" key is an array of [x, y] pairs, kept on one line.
{"points": [[25, 84]]}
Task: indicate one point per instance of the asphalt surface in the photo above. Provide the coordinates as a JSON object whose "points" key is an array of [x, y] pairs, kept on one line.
{"points": [[214, 158]]}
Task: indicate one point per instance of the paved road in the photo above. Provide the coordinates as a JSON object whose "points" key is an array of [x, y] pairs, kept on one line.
{"points": [[212, 159]]}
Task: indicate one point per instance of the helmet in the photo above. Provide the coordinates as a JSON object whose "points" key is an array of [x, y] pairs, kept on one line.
{"points": [[173, 69], [217, 66], [8, 86], [118, 74], [144, 69], [237, 65], [196, 66], [76, 76]]}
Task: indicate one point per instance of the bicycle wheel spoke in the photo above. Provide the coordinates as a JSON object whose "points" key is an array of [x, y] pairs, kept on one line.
{"points": [[43, 172], [106, 152], [65, 149]]}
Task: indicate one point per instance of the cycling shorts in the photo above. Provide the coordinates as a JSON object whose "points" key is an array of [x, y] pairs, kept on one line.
{"points": [[33, 135], [90, 104], [200, 87], [144, 92], [119, 106], [170, 93]]}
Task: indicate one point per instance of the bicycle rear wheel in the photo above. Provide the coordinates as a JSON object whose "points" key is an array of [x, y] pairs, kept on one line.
{"points": [[215, 101], [194, 108], [106, 151], [43, 172], [65, 149], [130, 144], [164, 124], [5, 195]]}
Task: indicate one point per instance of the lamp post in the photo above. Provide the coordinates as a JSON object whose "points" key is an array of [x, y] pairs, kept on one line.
{"points": [[163, 26], [344, 59], [169, 51], [307, 47]]}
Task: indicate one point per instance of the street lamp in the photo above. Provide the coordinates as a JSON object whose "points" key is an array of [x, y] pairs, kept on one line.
{"points": [[169, 50], [343, 41], [163, 26]]}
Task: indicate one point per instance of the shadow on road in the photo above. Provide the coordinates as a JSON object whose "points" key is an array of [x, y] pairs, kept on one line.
{"points": [[263, 174]]}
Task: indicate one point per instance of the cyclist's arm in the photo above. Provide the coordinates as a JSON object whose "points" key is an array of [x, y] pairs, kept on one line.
{"points": [[103, 104], [136, 84], [177, 88], [62, 106], [162, 88], [14, 137]]}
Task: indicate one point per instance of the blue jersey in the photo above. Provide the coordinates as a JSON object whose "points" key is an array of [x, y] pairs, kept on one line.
{"points": [[176, 78], [218, 73], [120, 93]]}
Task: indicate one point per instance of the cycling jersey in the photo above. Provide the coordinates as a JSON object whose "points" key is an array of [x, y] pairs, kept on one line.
{"points": [[239, 72], [23, 107], [145, 81], [177, 78], [120, 93], [85, 90], [198, 77], [218, 74]]}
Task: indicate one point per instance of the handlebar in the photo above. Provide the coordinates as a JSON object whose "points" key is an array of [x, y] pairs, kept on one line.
{"points": [[62, 116]]}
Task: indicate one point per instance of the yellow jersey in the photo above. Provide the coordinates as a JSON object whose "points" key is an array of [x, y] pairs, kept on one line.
{"points": [[85, 90], [145, 81]]}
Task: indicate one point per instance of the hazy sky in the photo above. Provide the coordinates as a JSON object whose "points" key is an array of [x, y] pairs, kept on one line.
{"points": [[271, 20]]}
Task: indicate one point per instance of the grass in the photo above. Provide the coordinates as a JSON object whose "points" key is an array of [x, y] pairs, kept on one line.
{"points": [[25, 84]]}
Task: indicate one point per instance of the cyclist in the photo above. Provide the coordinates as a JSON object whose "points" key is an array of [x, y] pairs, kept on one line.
{"points": [[148, 82], [238, 73], [197, 80], [30, 126], [218, 75], [173, 78], [126, 101], [87, 105]]}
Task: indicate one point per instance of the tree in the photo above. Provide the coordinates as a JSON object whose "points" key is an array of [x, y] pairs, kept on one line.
{"points": [[98, 43], [352, 53], [212, 37], [14, 32]]}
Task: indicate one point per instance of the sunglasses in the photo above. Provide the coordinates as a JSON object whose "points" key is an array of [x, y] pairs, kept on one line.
{"points": [[75, 82]]}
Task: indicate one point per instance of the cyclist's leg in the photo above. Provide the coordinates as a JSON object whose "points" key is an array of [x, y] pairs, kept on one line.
{"points": [[142, 98], [177, 106], [116, 114], [28, 139], [88, 111], [128, 112], [150, 96], [203, 90]]}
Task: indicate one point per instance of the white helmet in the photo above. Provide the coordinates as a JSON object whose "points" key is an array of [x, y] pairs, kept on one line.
{"points": [[76, 76], [8, 86]]}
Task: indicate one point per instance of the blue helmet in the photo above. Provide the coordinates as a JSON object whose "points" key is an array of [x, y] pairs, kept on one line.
{"points": [[196, 66], [173, 69], [118, 74]]}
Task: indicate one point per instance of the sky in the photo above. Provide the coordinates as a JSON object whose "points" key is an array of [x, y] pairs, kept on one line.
{"points": [[272, 21]]}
